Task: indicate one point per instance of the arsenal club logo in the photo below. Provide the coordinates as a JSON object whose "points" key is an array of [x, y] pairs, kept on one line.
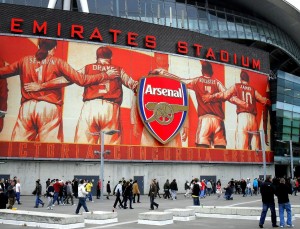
{"points": [[163, 106]]}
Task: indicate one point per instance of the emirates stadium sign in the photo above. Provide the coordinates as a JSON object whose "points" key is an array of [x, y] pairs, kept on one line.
{"points": [[163, 106]]}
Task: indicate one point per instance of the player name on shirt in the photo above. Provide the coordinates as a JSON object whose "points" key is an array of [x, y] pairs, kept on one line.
{"points": [[245, 87], [45, 61], [207, 81], [163, 91]]}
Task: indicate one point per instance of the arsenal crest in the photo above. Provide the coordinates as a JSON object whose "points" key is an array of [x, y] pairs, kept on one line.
{"points": [[163, 106]]}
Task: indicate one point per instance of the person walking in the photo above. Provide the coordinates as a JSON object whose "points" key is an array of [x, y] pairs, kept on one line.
{"points": [[89, 187], [11, 194], [267, 194], [152, 194], [18, 191], [118, 192], [56, 187], [50, 195], [218, 189], [69, 193], [136, 191], [38, 193], [130, 197], [195, 192], [187, 189], [255, 186], [3, 199], [167, 189], [81, 197], [282, 193], [99, 185], [108, 189], [174, 189]]}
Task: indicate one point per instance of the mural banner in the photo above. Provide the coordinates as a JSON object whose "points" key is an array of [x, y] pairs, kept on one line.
{"points": [[57, 96]]}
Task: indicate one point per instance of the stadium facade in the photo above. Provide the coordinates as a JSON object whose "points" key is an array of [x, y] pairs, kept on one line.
{"points": [[54, 116]]}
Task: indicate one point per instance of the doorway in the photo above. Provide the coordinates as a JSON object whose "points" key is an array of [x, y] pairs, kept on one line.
{"points": [[94, 180], [140, 181]]}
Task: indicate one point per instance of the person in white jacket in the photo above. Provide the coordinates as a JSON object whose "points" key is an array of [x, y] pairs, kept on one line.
{"points": [[118, 193], [81, 197]]}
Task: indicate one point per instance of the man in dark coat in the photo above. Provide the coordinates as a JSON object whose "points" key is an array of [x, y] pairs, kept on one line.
{"points": [[3, 199], [11, 194], [267, 194]]}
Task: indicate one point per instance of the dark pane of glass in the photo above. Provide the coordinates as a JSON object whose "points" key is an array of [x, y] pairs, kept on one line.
{"points": [[146, 11], [181, 15], [192, 18], [133, 9]]}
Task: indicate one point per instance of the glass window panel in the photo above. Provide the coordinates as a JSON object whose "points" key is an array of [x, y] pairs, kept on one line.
{"points": [[279, 113], [101, 7], [181, 15], [288, 106], [261, 32], [171, 14], [231, 26], [222, 22], [297, 87], [296, 93], [286, 137], [286, 129], [280, 90], [296, 116], [288, 99], [19, 2], [146, 12], [287, 114], [287, 122], [239, 27], [191, 2], [133, 9], [289, 84], [295, 131], [203, 24], [295, 123], [192, 18], [158, 10], [295, 139], [122, 6], [296, 102], [202, 14], [280, 97]]}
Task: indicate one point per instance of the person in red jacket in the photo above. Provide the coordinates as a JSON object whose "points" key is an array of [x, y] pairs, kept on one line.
{"points": [[40, 114]]}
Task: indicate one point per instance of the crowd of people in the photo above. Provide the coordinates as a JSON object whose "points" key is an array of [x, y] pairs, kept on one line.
{"points": [[127, 192]]}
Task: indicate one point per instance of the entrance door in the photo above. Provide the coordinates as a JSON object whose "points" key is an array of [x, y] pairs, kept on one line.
{"points": [[213, 178], [5, 176], [140, 181], [94, 180]]}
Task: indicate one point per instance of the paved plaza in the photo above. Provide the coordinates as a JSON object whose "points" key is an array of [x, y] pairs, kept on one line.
{"points": [[128, 218]]}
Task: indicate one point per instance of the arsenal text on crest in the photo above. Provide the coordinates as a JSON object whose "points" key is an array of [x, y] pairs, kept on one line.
{"points": [[163, 91]]}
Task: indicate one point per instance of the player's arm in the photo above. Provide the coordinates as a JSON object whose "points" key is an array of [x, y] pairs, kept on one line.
{"points": [[56, 83], [82, 79], [10, 70], [128, 81], [261, 99], [220, 96]]}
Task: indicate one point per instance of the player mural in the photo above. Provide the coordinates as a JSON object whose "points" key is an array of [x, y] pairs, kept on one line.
{"points": [[60, 93]]}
